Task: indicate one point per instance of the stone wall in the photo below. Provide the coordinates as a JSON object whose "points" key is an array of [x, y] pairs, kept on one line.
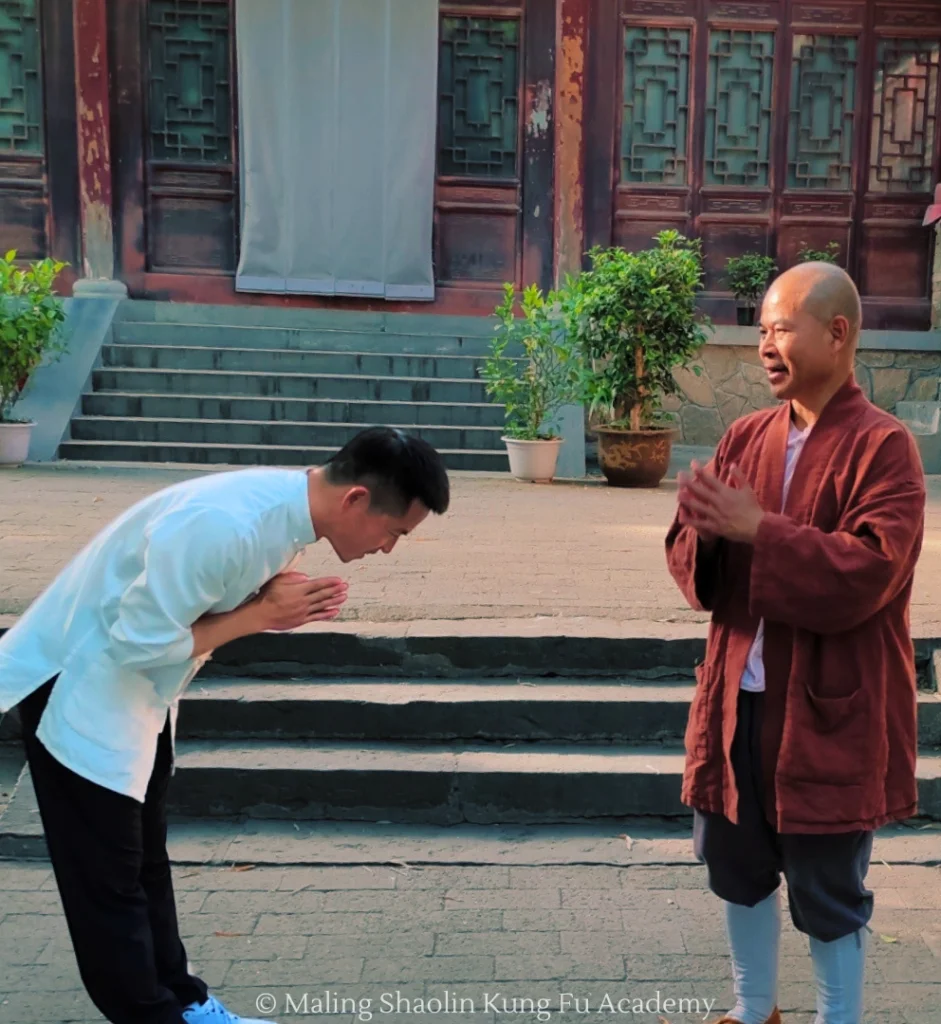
{"points": [[731, 383]]}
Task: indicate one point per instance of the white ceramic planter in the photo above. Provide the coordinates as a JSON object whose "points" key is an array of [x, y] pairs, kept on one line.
{"points": [[14, 444], [533, 460]]}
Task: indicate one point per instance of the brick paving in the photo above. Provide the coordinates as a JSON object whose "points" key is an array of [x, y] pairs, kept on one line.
{"points": [[578, 559], [575, 559], [384, 938]]}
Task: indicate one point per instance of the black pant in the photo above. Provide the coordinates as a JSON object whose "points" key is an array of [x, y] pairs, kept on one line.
{"points": [[109, 855], [825, 873]]}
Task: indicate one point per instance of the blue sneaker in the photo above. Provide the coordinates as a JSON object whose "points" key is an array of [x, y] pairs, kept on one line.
{"points": [[213, 1012]]}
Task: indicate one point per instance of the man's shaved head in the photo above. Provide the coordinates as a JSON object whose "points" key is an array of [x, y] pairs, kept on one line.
{"points": [[825, 291], [810, 323]]}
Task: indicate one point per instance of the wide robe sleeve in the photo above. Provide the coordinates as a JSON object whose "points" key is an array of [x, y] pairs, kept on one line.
{"points": [[834, 582], [189, 555], [694, 565]]}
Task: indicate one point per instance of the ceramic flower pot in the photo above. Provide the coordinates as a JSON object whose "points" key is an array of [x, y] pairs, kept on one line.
{"points": [[533, 460], [632, 458], [14, 443]]}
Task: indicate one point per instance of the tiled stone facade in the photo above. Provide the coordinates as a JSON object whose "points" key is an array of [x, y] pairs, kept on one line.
{"points": [[731, 384]]}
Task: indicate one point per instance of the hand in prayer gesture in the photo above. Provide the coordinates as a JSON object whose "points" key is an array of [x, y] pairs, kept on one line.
{"points": [[715, 509]]}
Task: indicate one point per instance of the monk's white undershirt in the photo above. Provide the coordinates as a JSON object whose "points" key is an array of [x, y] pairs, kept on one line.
{"points": [[753, 678]]}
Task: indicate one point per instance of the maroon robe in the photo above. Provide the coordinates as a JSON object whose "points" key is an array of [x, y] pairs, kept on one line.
{"points": [[832, 578]]}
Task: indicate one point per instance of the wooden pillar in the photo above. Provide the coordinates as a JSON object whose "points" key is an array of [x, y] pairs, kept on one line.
{"points": [[571, 46], [572, 20], [94, 138]]}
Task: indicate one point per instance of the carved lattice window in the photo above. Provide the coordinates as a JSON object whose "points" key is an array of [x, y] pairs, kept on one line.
{"points": [[656, 105], [21, 119], [190, 102], [904, 115], [738, 107], [478, 97], [822, 112]]}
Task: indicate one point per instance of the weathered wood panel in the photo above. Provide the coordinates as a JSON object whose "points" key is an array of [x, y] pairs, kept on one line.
{"points": [[771, 126], [174, 110], [23, 187], [38, 163]]}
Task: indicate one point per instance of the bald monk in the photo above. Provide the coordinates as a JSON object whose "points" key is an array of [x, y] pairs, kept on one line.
{"points": [[801, 538]]}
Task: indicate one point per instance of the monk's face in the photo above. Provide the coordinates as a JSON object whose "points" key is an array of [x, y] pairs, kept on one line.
{"points": [[797, 350]]}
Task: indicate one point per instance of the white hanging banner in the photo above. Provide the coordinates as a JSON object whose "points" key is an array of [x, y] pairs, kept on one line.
{"points": [[337, 124]]}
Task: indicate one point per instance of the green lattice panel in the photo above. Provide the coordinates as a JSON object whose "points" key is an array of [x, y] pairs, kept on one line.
{"points": [[21, 120], [739, 92], [822, 112], [656, 106], [904, 115], [478, 97], [190, 81]]}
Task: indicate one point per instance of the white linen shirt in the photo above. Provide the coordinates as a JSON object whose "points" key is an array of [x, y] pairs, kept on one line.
{"points": [[115, 625]]}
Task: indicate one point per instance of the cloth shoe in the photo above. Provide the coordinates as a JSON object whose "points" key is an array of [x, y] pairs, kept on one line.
{"points": [[775, 1018], [213, 1012]]}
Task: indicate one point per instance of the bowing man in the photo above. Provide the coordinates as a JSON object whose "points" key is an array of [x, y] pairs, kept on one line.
{"points": [[97, 666]]}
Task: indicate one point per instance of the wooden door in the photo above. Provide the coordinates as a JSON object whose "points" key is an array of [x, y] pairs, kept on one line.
{"points": [[493, 202], [38, 137], [772, 126], [175, 143]]}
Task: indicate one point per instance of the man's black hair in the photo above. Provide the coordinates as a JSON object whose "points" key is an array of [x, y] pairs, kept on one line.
{"points": [[396, 468]]}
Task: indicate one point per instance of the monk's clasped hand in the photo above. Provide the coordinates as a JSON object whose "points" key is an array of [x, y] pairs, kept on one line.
{"points": [[716, 509]]}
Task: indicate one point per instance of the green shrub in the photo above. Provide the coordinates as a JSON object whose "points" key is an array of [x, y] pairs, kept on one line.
{"points": [[31, 318]]}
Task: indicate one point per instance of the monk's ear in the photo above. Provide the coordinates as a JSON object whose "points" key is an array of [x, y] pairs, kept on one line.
{"points": [[840, 329]]}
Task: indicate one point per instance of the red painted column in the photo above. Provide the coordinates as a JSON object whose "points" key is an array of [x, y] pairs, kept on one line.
{"points": [[94, 138], [572, 20]]}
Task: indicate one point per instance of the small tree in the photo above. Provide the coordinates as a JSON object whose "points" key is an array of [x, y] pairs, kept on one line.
{"points": [[829, 255], [31, 318], [534, 387], [748, 276], [634, 316]]}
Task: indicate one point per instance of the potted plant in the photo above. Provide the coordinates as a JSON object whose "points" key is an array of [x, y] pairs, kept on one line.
{"points": [[829, 255], [31, 317], [634, 316], [747, 276], [533, 385]]}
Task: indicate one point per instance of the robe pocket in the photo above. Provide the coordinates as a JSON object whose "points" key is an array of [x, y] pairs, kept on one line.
{"points": [[837, 712], [698, 727], [830, 741]]}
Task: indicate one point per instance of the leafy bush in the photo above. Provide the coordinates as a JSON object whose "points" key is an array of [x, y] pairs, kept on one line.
{"points": [[829, 255], [748, 276], [633, 314], [31, 318], [532, 388]]}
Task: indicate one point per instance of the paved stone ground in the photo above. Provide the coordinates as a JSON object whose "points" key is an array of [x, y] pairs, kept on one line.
{"points": [[509, 557], [498, 933]]}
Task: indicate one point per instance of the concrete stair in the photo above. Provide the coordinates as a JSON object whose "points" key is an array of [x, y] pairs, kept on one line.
{"points": [[320, 729], [256, 386]]}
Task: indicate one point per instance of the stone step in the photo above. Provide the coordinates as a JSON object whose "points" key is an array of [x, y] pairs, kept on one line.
{"points": [[432, 784], [204, 843], [268, 435], [583, 711], [468, 710], [263, 339], [290, 385], [247, 455], [326, 410], [178, 316], [440, 784], [278, 360]]}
